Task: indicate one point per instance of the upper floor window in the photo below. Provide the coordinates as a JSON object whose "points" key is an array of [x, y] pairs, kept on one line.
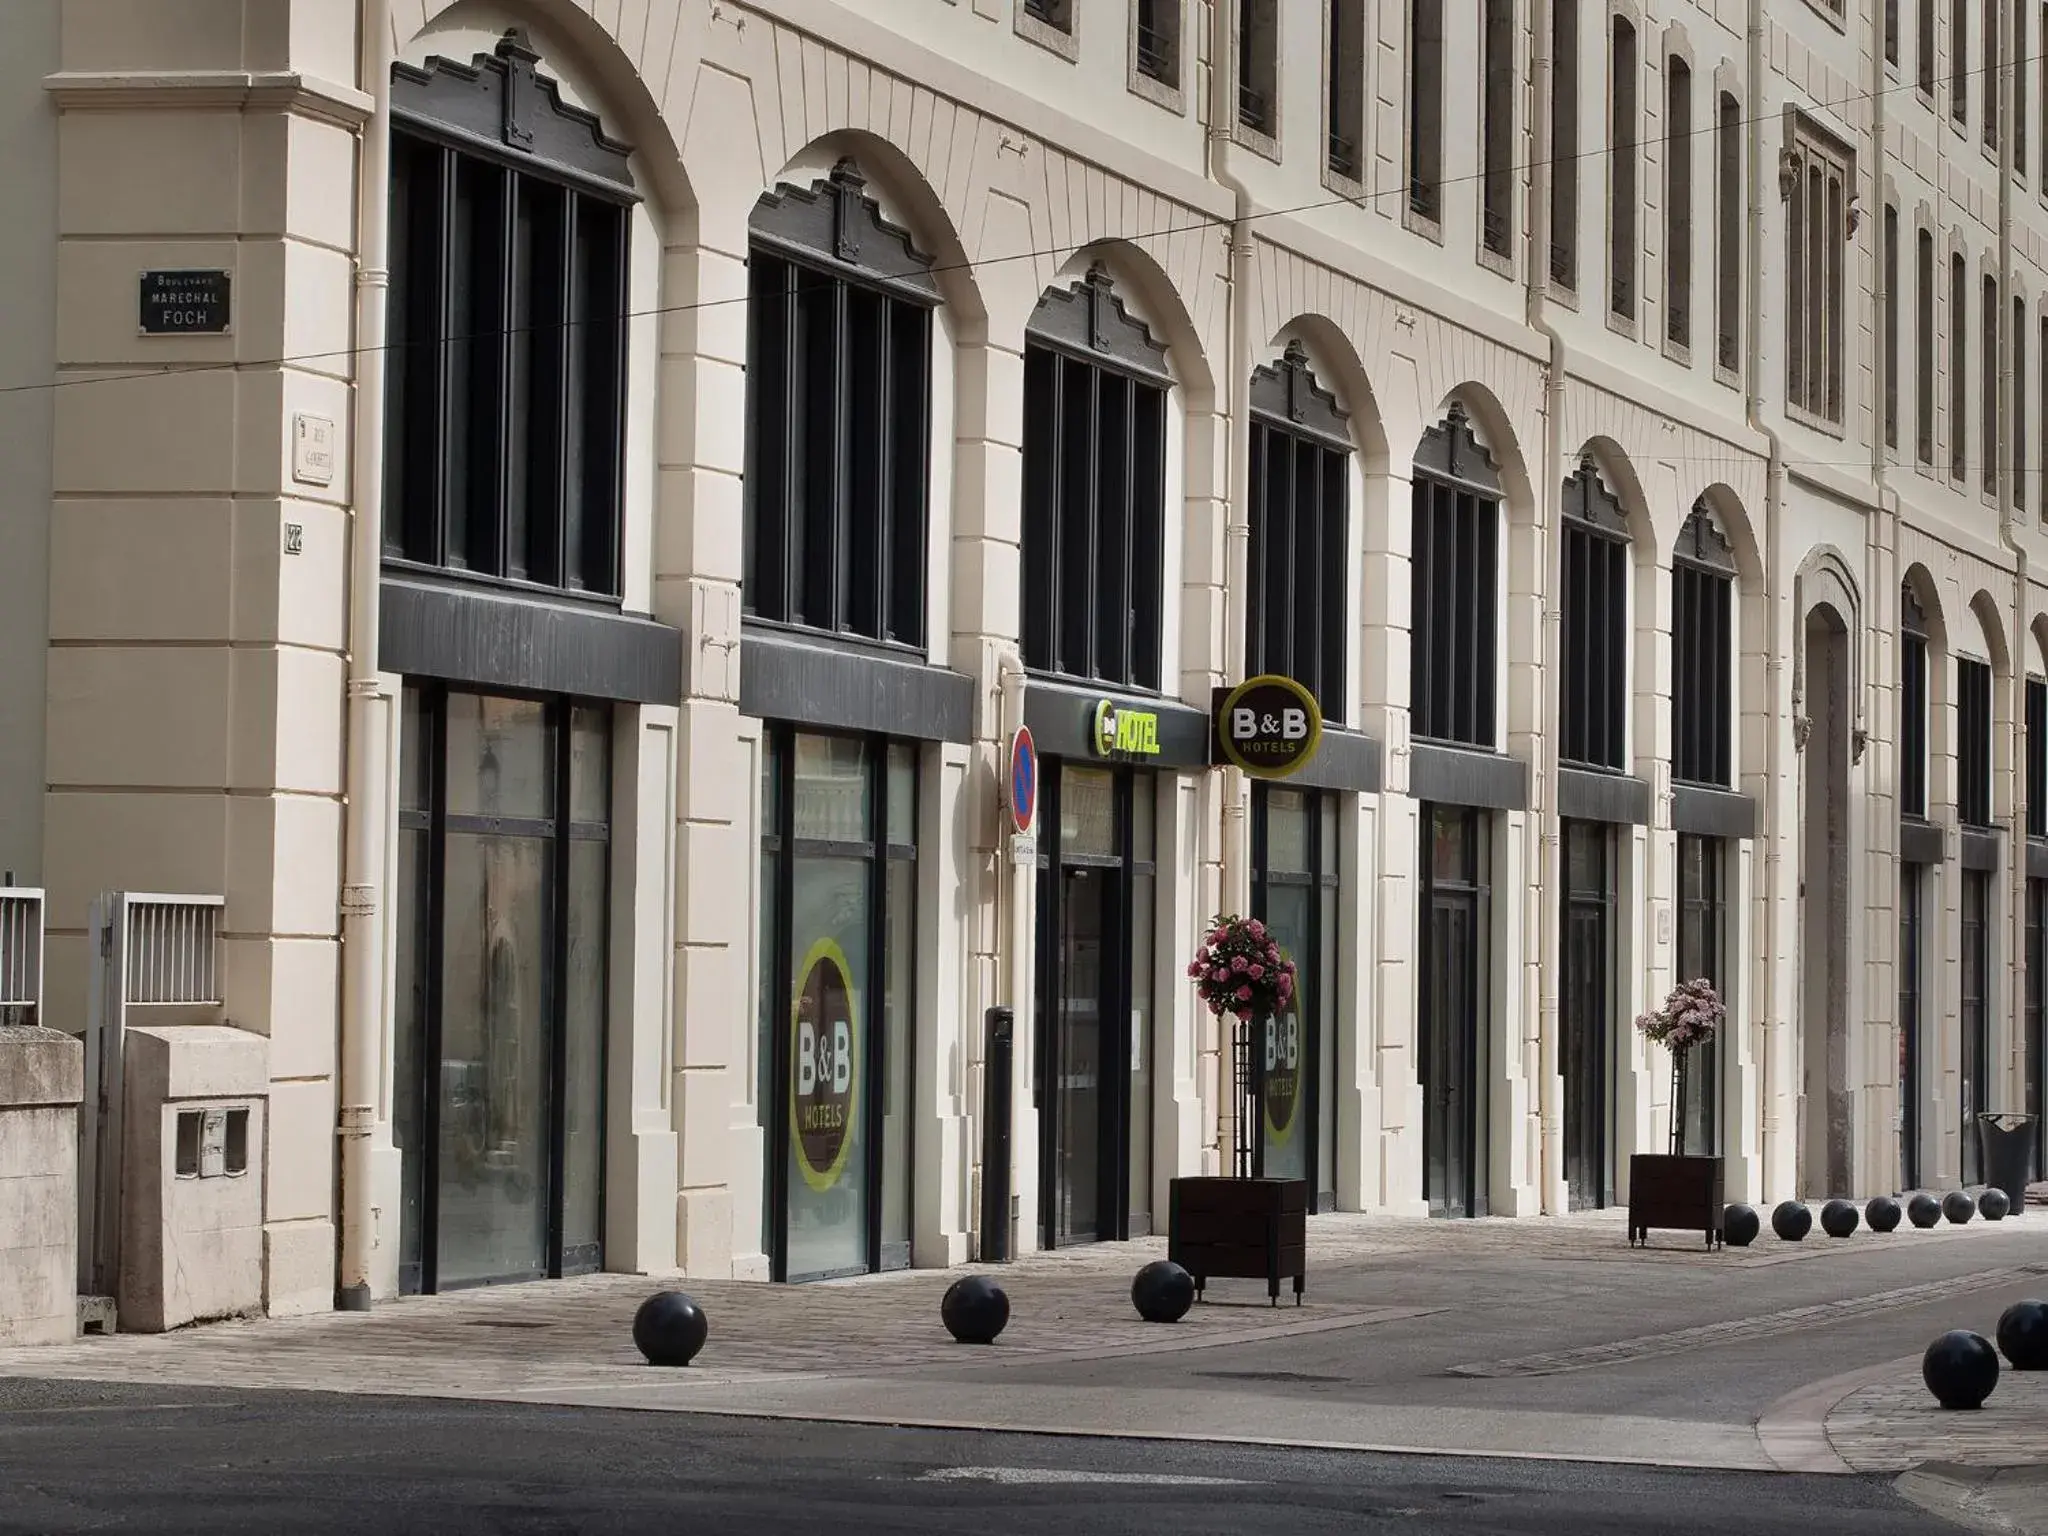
{"points": [[2019, 403], [1455, 566], [1959, 60], [1923, 49], [1296, 619], [1891, 325], [1958, 365], [1821, 178], [1258, 66], [1728, 217], [1622, 247], [1678, 203], [1891, 31], [1912, 705], [1973, 742], [1564, 144], [1057, 14], [2020, 132], [1988, 391], [2037, 757], [839, 345], [505, 409], [1702, 652], [1346, 89], [1155, 41], [1426, 108], [1595, 678], [1992, 29], [1497, 132], [1095, 386], [1923, 348]]}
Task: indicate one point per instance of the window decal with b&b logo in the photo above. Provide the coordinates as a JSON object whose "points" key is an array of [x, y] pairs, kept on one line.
{"points": [[824, 1066], [1268, 726]]}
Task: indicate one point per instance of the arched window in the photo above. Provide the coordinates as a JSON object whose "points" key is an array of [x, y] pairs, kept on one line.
{"points": [[1595, 677], [1702, 652], [1300, 489], [1912, 705], [1456, 571]]}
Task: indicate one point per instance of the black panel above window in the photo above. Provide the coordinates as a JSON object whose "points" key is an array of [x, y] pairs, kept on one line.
{"points": [[2037, 757], [1912, 706], [1456, 597], [839, 348], [1702, 653], [506, 387], [1595, 677], [1973, 743], [1095, 387], [1300, 490]]}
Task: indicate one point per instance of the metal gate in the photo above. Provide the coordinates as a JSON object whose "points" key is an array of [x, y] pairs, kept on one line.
{"points": [[21, 955], [148, 951]]}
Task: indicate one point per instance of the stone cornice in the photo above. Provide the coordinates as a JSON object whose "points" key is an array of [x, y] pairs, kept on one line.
{"points": [[209, 90]]}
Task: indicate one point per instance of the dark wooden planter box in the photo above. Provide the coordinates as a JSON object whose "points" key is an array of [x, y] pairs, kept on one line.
{"points": [[1240, 1229], [1684, 1193]]}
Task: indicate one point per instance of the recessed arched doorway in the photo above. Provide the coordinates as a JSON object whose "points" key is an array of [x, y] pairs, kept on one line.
{"points": [[1827, 1122]]}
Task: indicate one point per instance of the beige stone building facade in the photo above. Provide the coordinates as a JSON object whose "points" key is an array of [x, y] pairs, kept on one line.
{"points": [[555, 509]]}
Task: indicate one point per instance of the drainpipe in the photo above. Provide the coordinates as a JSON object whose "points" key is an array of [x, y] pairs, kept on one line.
{"points": [[1236, 883], [1549, 498], [2016, 669], [1777, 773], [361, 932]]}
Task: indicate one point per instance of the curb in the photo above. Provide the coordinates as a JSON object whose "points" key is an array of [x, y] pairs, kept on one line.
{"points": [[1793, 1430], [1998, 1501]]}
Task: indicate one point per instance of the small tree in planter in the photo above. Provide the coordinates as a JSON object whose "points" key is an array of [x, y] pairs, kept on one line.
{"points": [[1240, 970], [1691, 1016]]}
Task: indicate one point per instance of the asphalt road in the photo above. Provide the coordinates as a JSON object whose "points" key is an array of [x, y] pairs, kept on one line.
{"points": [[78, 1457]]}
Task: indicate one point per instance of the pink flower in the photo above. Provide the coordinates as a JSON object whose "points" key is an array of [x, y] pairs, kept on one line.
{"points": [[1256, 929], [1244, 994], [1255, 972], [1238, 962], [1220, 974]]}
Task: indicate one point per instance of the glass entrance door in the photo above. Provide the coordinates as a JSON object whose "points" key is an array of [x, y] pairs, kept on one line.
{"points": [[1702, 927], [1586, 1048], [1976, 1044], [1081, 1049], [1452, 1045], [1294, 892], [1912, 882]]}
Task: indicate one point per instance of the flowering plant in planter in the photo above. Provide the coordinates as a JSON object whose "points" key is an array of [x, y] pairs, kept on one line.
{"points": [[1239, 970], [1690, 1018]]}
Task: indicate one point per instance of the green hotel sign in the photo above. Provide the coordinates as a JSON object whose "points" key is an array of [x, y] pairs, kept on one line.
{"points": [[1121, 731]]}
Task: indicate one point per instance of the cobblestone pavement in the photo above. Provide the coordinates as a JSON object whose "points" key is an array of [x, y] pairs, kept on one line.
{"points": [[1896, 1424]]}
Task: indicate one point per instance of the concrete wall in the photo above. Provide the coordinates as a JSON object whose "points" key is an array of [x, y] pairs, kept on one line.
{"points": [[41, 1079]]}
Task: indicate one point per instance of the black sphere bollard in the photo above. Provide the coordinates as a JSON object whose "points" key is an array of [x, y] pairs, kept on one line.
{"points": [[975, 1310], [1923, 1211], [1994, 1205], [1163, 1292], [670, 1328], [2023, 1335], [1838, 1218], [1740, 1225], [1882, 1214], [1960, 1369], [1792, 1221], [1958, 1207]]}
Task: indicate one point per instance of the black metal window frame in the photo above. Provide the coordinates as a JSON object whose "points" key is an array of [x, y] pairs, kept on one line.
{"points": [[1096, 401], [1155, 40], [1588, 910], [510, 270], [1344, 89], [1678, 202], [1322, 875], [1890, 328], [2037, 757], [1821, 171], [1594, 687], [1923, 347], [1497, 128], [1989, 405], [1624, 248], [1563, 255], [1958, 367], [1258, 66], [1703, 653], [1426, 109], [1728, 233], [780, 848], [1974, 1014], [1914, 676], [1455, 560], [1973, 742], [435, 821], [1297, 614], [1703, 952], [839, 416], [1959, 61]]}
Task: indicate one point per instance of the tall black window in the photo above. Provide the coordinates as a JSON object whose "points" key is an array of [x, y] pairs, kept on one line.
{"points": [[2018, 370], [1596, 565], [1959, 60], [1728, 218], [1156, 41], [1973, 742], [1912, 705], [2037, 757], [1564, 144], [1300, 472], [1678, 149], [1816, 270], [1095, 386], [1987, 384], [1958, 364], [505, 414], [1426, 108], [1346, 88], [1923, 350], [1622, 246], [1702, 652], [1497, 132], [1891, 325], [1923, 60], [1258, 66], [1990, 42], [839, 345], [1456, 598], [1702, 953]]}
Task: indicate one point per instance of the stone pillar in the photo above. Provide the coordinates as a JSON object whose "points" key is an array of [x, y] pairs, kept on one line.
{"points": [[198, 564], [42, 1078]]}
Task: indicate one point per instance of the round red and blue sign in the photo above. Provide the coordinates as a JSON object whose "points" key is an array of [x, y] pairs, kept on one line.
{"points": [[1023, 779]]}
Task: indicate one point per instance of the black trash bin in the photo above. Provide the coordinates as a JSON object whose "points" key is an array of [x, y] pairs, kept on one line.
{"points": [[2007, 1145]]}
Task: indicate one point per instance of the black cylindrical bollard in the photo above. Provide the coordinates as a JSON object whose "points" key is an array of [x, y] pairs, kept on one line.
{"points": [[998, 1084], [670, 1328], [1960, 1369], [1882, 1214], [2023, 1335], [1791, 1221], [1838, 1218], [975, 1309], [1923, 1211], [1740, 1225], [1163, 1292]]}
